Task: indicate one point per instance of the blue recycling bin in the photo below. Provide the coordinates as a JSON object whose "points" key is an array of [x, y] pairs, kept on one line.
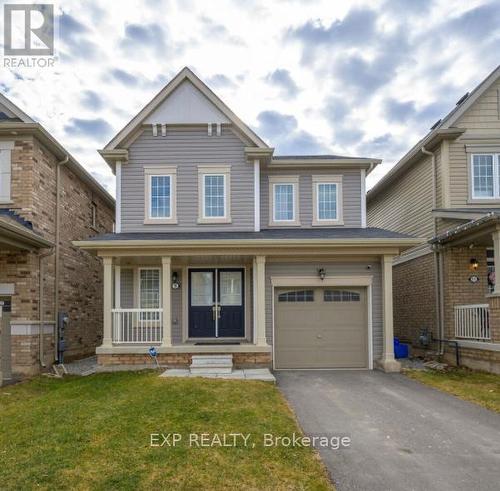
{"points": [[400, 349]]}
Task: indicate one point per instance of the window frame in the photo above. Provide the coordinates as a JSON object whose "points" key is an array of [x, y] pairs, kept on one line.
{"points": [[214, 170], [160, 171], [274, 181], [93, 217], [495, 175], [139, 297], [7, 147], [316, 182]]}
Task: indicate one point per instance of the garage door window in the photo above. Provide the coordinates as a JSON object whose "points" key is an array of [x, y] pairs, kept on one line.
{"points": [[340, 296], [297, 296]]}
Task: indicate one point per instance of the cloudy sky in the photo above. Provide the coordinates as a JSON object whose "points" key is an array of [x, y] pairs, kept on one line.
{"points": [[310, 76]]}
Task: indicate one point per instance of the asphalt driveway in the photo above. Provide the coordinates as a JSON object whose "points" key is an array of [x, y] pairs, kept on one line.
{"points": [[404, 435]]}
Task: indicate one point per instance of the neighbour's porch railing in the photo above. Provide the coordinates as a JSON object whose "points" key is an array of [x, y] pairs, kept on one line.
{"points": [[137, 326], [472, 322]]}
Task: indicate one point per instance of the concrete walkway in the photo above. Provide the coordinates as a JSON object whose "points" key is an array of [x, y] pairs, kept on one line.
{"points": [[405, 435], [238, 374]]}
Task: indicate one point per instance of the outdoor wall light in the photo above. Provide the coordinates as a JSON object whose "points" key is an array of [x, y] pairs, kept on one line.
{"points": [[175, 281], [321, 273], [474, 264]]}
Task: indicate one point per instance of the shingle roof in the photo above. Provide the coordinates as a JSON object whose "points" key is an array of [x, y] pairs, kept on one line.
{"points": [[299, 233]]}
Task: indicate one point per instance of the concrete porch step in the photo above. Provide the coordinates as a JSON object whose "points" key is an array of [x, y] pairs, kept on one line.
{"points": [[211, 364]]}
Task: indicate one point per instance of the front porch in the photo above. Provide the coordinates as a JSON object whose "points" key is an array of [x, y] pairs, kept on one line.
{"points": [[184, 306], [471, 293]]}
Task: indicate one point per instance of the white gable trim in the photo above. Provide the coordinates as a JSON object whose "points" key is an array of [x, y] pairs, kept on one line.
{"points": [[455, 115], [15, 110], [184, 74]]}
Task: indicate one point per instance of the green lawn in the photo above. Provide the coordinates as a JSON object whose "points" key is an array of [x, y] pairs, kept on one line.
{"points": [[94, 433], [480, 387]]}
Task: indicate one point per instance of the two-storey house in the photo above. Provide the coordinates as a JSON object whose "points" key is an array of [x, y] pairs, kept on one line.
{"points": [[47, 199], [223, 247], [446, 189]]}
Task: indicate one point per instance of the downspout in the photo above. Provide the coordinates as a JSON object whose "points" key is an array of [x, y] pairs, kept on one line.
{"points": [[58, 228], [41, 325], [438, 260]]}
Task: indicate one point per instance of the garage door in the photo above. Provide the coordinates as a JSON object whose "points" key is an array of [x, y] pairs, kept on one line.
{"points": [[321, 328]]}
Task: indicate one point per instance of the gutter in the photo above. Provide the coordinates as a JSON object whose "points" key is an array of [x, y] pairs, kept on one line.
{"points": [[57, 247], [118, 244]]}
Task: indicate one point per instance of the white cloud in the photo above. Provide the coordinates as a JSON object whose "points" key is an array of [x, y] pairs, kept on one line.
{"points": [[357, 77]]}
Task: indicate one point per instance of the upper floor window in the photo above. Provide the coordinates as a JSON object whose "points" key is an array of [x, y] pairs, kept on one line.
{"points": [[486, 176], [160, 183], [283, 193], [214, 194], [5, 171], [327, 200]]}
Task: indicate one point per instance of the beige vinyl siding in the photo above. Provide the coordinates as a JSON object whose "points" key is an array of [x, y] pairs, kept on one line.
{"points": [[332, 268], [482, 123], [405, 205], [484, 113], [187, 147], [351, 194]]}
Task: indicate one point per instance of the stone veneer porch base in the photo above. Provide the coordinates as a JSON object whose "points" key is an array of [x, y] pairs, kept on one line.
{"points": [[181, 360]]}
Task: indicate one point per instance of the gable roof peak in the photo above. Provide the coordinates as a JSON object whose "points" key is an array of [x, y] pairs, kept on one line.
{"points": [[183, 74]]}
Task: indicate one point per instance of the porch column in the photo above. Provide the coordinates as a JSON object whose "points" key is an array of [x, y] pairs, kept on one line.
{"points": [[259, 270], [117, 287], [107, 301], [496, 255], [388, 362], [166, 274]]}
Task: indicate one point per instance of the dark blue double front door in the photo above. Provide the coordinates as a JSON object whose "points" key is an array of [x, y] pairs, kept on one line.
{"points": [[216, 303]]}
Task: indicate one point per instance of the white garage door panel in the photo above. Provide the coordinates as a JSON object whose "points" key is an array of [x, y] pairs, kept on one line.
{"points": [[320, 333]]}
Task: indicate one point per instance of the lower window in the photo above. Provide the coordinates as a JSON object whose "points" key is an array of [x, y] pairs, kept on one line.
{"points": [[297, 296], [340, 296]]}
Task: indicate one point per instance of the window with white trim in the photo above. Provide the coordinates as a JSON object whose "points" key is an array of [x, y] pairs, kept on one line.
{"points": [[159, 194], [214, 194], [149, 292], [283, 200], [485, 173], [327, 200]]}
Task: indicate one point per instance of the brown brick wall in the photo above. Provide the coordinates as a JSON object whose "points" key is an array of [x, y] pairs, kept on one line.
{"points": [[80, 287], [414, 298], [240, 360], [458, 290], [25, 353]]}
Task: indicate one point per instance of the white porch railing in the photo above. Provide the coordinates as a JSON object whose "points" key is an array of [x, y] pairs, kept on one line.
{"points": [[472, 322], [137, 326]]}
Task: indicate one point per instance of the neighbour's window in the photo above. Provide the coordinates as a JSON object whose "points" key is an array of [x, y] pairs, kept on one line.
{"points": [[485, 176], [297, 296], [161, 196], [5, 171], [214, 192], [340, 296], [283, 202], [327, 201], [93, 209]]}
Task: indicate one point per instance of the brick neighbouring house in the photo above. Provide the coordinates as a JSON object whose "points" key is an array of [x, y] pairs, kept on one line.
{"points": [[445, 190], [29, 159]]}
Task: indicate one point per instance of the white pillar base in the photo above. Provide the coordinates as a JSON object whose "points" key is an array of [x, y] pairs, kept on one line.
{"points": [[388, 365]]}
